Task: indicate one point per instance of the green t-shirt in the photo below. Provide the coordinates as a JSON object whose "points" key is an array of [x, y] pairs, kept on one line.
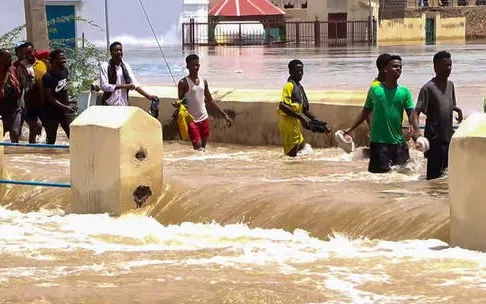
{"points": [[387, 106]]}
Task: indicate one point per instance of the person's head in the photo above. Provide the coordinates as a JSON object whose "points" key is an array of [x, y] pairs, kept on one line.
{"points": [[296, 70], [442, 64], [381, 62], [116, 51], [192, 64], [58, 59], [19, 51], [28, 52], [5, 58], [393, 68]]}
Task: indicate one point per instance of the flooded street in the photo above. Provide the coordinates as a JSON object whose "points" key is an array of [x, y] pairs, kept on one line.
{"points": [[351, 68], [250, 227]]}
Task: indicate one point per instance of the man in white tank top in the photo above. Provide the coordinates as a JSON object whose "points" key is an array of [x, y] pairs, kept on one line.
{"points": [[195, 92]]}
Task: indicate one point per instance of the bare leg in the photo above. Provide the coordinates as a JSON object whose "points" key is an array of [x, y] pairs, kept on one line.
{"points": [[295, 149], [35, 128]]}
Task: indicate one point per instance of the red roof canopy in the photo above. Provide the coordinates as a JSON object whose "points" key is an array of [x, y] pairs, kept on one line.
{"points": [[240, 8]]}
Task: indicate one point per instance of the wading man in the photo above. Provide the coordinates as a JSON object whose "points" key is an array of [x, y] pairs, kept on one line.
{"points": [[387, 101], [294, 111], [194, 93], [437, 100]]}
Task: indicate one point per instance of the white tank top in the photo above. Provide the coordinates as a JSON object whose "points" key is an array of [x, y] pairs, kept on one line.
{"points": [[195, 100]]}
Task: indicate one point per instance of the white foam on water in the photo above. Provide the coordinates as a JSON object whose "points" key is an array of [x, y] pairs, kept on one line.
{"points": [[209, 155], [24, 232], [37, 234]]}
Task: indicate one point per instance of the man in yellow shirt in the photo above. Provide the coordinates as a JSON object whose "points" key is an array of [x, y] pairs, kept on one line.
{"points": [[294, 111], [31, 72]]}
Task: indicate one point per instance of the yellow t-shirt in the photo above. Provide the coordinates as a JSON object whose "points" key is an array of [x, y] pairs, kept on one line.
{"points": [[287, 99], [289, 127], [40, 69]]}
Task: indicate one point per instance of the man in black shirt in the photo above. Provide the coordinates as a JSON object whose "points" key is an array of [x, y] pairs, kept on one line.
{"points": [[57, 108], [437, 100]]}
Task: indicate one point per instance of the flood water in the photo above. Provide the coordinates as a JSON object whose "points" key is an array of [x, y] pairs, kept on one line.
{"points": [[350, 68], [242, 224]]}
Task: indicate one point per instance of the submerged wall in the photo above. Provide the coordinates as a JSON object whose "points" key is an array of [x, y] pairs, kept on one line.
{"points": [[255, 118]]}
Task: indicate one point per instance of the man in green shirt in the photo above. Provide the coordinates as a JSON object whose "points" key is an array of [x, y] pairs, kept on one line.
{"points": [[387, 101]]}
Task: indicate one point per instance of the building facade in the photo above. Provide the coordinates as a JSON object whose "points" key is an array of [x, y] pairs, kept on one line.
{"points": [[325, 10], [431, 21]]}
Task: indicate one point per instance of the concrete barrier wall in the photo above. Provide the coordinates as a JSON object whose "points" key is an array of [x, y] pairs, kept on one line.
{"points": [[467, 164], [256, 121]]}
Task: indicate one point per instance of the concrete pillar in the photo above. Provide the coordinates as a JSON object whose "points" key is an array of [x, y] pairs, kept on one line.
{"points": [[116, 160], [467, 180], [35, 19]]}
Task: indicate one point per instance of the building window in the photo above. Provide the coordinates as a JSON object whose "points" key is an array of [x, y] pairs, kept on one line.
{"points": [[423, 3]]}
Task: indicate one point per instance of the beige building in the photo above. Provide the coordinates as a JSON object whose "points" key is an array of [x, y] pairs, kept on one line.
{"points": [[324, 10], [399, 21]]}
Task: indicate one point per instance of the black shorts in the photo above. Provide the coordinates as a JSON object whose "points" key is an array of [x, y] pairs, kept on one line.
{"points": [[33, 114], [383, 156]]}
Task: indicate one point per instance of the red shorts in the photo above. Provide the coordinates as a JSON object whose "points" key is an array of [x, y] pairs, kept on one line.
{"points": [[199, 130]]}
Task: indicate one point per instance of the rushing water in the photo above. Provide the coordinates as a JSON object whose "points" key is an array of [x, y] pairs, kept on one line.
{"points": [[241, 224]]}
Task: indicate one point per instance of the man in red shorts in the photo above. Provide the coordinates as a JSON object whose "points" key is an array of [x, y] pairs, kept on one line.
{"points": [[194, 92]]}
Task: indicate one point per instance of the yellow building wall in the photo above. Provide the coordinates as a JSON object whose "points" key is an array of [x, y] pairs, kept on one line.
{"points": [[450, 28], [412, 30], [401, 30]]}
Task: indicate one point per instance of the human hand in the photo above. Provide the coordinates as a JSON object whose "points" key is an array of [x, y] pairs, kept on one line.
{"points": [[70, 109], [152, 97], [229, 121], [415, 135], [459, 117]]}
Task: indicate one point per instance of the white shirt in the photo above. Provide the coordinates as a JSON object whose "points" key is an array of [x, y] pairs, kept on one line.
{"points": [[118, 97], [195, 100]]}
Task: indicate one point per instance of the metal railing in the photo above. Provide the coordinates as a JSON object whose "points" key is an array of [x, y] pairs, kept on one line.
{"points": [[34, 183], [317, 33]]}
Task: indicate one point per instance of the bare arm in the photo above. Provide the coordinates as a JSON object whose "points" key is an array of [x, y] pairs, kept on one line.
{"points": [[142, 92], [182, 88], [459, 114], [50, 99], [362, 116], [288, 110], [413, 119], [209, 99], [309, 114]]}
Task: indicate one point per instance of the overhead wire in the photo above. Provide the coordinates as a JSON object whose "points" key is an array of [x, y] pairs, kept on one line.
{"points": [[157, 40]]}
